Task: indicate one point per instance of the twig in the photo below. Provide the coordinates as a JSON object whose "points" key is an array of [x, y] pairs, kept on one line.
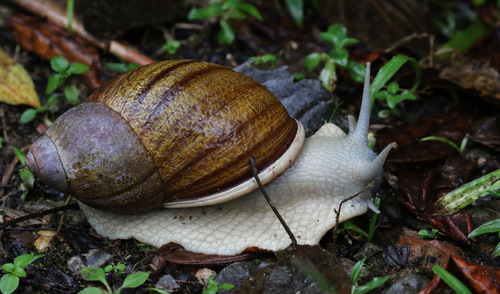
{"points": [[38, 214], [278, 215], [53, 12]]}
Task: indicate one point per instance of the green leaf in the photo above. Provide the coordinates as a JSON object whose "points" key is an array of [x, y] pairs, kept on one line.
{"points": [[328, 76], [389, 69], [53, 83], [311, 61], [489, 227], [449, 279], [9, 283], [22, 159], [119, 67], [296, 9], [171, 46], [229, 4], [93, 273], [9, 267], [28, 115], [462, 41], [26, 259], [92, 290], [71, 94], [19, 272], [78, 68], [226, 34], [340, 55], [212, 10], [356, 71], [356, 270], [226, 286], [496, 251], [393, 88], [374, 283], [135, 280], [249, 9], [27, 177], [59, 64], [70, 10]]}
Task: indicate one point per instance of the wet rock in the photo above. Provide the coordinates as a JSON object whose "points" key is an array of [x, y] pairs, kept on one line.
{"points": [[304, 269], [167, 283], [407, 282], [97, 258], [235, 273]]}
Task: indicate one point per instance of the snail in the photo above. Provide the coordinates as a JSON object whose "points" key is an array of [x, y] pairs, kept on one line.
{"points": [[161, 153]]}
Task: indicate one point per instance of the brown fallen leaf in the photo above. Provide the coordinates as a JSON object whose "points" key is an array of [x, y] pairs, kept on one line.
{"points": [[478, 278], [16, 86], [48, 40]]}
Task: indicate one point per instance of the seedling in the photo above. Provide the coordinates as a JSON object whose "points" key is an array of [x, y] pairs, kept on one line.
{"points": [[98, 274], [171, 46], [25, 174], [393, 95], [122, 66], [460, 149], [336, 35], [374, 283], [489, 227], [373, 224], [267, 58], [14, 271], [224, 10], [213, 286], [433, 234], [56, 80]]}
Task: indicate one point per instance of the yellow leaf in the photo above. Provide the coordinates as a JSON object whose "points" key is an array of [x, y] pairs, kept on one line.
{"points": [[16, 86]]}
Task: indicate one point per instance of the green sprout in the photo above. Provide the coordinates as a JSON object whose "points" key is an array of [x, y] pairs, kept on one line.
{"points": [[14, 271], [489, 227], [460, 149], [336, 35], [63, 70], [25, 174], [433, 234], [373, 224], [98, 274], [267, 58], [374, 283], [171, 46], [213, 286], [225, 10]]}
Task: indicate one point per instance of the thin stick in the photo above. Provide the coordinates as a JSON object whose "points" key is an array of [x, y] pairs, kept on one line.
{"points": [[278, 215], [337, 217], [38, 214]]}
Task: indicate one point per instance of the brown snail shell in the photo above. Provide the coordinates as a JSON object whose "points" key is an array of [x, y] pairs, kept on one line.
{"points": [[173, 131]]}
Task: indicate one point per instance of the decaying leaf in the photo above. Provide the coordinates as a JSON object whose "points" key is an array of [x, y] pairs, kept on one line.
{"points": [[16, 86]]}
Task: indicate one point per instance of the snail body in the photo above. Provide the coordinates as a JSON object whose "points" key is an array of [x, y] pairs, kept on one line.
{"points": [[328, 168]]}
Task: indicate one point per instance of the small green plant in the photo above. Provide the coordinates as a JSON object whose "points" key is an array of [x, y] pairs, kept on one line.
{"points": [[393, 95], [433, 234], [489, 227], [25, 174], [355, 274], [336, 35], [460, 149], [14, 271], [451, 280], [373, 224], [267, 58], [213, 286], [296, 9], [171, 46], [225, 10], [98, 274], [115, 268], [122, 66], [63, 70]]}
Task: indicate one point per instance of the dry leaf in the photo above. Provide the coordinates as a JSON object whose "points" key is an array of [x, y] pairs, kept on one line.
{"points": [[16, 86]]}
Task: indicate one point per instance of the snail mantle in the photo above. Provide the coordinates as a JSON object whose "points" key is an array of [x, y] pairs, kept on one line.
{"points": [[327, 168]]}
